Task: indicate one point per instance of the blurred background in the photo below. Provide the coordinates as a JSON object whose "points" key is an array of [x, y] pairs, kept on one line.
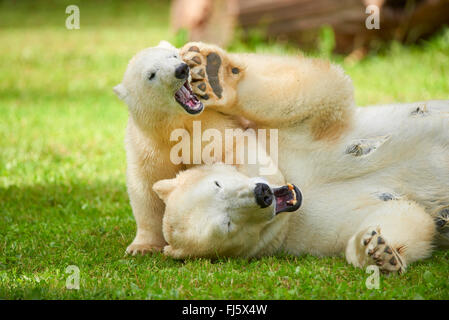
{"points": [[57, 108], [301, 21]]}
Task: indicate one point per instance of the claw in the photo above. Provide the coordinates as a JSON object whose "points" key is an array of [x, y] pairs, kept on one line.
{"points": [[393, 261], [192, 59], [366, 241], [372, 251]]}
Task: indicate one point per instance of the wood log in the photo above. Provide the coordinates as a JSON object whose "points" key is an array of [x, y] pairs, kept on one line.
{"points": [[300, 20], [210, 21]]}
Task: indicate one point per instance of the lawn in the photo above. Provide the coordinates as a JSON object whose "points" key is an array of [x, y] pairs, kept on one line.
{"points": [[63, 197]]}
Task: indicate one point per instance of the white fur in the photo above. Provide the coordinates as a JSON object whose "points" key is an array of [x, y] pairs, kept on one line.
{"points": [[153, 115], [341, 191], [347, 161], [342, 158]]}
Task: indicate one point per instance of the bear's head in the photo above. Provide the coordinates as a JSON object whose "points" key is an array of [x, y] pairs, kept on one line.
{"points": [[216, 211], [156, 85]]}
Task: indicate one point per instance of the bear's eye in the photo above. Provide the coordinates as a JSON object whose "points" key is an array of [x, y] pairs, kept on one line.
{"points": [[217, 184], [151, 76]]}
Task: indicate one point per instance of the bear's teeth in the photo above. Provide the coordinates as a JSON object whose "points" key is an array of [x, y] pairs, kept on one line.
{"points": [[185, 93]]}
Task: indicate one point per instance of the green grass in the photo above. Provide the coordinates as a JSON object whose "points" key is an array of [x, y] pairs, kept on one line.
{"points": [[63, 197]]}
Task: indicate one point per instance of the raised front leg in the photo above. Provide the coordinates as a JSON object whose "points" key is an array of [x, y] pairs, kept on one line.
{"points": [[394, 235], [272, 91]]}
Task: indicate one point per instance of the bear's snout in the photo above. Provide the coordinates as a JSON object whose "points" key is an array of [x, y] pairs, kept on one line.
{"points": [[182, 71], [264, 195]]}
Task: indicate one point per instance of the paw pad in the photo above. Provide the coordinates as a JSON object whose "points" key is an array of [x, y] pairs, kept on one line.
{"points": [[209, 68], [393, 261], [194, 49], [381, 254], [442, 220]]}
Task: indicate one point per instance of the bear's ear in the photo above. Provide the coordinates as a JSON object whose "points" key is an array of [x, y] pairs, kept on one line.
{"points": [[166, 45], [120, 91], [163, 188]]}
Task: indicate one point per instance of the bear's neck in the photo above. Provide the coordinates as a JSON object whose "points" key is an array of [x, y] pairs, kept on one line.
{"points": [[157, 124], [160, 126], [272, 237]]}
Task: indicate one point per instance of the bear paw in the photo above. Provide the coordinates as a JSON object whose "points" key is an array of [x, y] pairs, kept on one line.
{"points": [[380, 253], [134, 249], [213, 75]]}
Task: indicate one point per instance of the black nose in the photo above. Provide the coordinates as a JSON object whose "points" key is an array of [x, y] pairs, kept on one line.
{"points": [[264, 195], [182, 71]]}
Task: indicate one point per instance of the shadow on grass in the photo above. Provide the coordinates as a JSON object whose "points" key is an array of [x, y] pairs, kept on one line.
{"points": [[64, 198], [64, 219]]}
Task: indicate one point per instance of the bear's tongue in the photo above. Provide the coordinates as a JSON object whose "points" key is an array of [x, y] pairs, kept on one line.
{"points": [[185, 97], [288, 198]]}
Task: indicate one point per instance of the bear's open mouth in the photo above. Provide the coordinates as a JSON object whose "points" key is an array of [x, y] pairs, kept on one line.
{"points": [[288, 198], [185, 97]]}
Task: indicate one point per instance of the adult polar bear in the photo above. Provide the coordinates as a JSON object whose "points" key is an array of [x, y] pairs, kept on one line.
{"points": [[373, 179]]}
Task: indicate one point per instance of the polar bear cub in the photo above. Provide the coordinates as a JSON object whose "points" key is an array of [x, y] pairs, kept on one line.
{"points": [[159, 99]]}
